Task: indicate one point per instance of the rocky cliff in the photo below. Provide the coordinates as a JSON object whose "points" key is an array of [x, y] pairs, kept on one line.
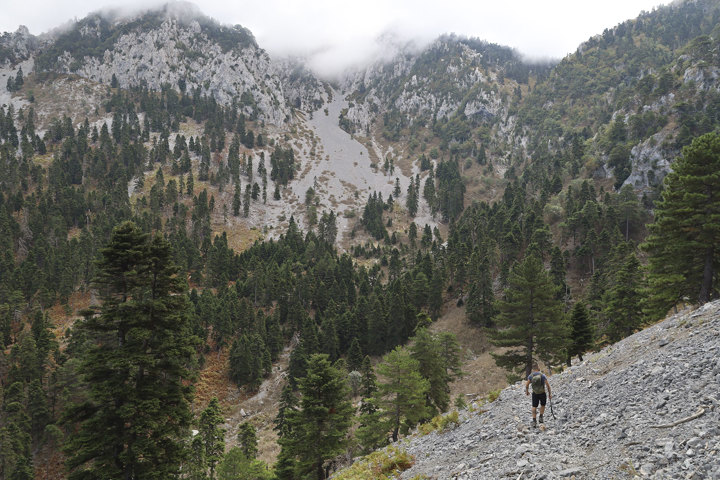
{"points": [[645, 407], [179, 47], [451, 76], [17, 46]]}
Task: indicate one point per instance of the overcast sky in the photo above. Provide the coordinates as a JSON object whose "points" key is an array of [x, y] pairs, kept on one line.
{"points": [[334, 34]]}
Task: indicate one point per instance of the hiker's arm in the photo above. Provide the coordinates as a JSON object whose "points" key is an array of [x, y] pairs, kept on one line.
{"points": [[549, 391], [527, 385]]}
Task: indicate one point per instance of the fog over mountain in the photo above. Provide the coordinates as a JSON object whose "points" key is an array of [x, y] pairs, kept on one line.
{"points": [[333, 36]]}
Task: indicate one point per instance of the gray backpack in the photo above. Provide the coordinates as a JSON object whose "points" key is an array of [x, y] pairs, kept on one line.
{"points": [[536, 380]]}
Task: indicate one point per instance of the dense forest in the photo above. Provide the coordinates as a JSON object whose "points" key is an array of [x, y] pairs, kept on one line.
{"points": [[116, 290]]}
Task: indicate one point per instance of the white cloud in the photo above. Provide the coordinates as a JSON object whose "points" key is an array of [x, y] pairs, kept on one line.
{"points": [[335, 34]]}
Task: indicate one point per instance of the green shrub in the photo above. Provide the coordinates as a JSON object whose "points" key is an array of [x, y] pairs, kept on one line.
{"points": [[380, 465], [440, 423], [493, 395]]}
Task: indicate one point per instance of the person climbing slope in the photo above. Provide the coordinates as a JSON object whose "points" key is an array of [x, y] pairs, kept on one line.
{"points": [[539, 383]]}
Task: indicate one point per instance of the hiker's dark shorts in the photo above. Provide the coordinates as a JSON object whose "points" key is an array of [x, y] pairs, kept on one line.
{"points": [[540, 398]]}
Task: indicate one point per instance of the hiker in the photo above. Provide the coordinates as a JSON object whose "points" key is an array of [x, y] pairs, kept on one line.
{"points": [[539, 383]]}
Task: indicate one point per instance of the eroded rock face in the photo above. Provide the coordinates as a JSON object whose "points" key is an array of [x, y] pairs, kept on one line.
{"points": [[17, 46], [175, 52], [648, 405], [188, 51], [408, 83], [650, 164]]}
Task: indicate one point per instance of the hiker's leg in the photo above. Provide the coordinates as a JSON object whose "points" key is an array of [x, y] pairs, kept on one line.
{"points": [[542, 410], [534, 412]]}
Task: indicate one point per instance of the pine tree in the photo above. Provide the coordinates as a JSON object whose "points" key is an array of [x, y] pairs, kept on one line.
{"points": [[530, 322], [319, 428], [412, 198], [288, 403], [354, 357], [480, 304], [401, 396], [684, 239], [581, 335], [236, 200], [425, 350], [136, 412], [623, 301], [235, 465], [213, 436], [247, 440]]}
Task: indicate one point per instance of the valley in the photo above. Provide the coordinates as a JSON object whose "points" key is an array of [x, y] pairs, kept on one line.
{"points": [[216, 260]]}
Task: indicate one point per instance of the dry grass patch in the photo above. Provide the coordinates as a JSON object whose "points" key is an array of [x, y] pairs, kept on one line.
{"points": [[240, 237], [481, 374], [43, 160], [63, 317], [214, 380]]}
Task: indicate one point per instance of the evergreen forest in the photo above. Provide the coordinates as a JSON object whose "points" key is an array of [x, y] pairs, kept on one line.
{"points": [[131, 285]]}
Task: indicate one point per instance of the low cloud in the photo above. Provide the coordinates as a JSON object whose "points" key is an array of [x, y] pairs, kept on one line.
{"points": [[333, 36]]}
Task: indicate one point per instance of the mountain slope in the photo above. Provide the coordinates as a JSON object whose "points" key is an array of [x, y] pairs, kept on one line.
{"points": [[625, 410], [179, 47]]}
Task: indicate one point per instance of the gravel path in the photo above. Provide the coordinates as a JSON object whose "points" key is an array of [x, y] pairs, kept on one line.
{"points": [[646, 407]]}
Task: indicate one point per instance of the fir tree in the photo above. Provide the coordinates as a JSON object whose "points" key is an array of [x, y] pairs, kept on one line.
{"points": [[247, 440], [136, 412], [288, 403], [581, 335], [213, 437], [480, 304], [425, 350], [401, 396], [623, 301], [530, 322], [412, 198], [235, 465], [372, 431], [236, 200], [354, 357], [369, 380], [684, 239], [329, 341], [319, 428], [435, 300]]}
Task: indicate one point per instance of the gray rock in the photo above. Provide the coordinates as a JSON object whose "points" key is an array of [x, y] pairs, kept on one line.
{"points": [[595, 419], [570, 471]]}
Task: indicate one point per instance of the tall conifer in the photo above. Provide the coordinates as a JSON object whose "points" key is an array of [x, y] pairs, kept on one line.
{"points": [[318, 429], [530, 322], [684, 241], [581, 334], [136, 414]]}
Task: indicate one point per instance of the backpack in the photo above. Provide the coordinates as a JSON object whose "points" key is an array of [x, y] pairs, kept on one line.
{"points": [[536, 380]]}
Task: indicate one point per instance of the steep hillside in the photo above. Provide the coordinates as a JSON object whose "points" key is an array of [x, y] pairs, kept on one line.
{"points": [[452, 97], [178, 46], [621, 107], [627, 100], [648, 406], [311, 218]]}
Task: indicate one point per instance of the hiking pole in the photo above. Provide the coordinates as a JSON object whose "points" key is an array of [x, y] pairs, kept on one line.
{"points": [[551, 409]]}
